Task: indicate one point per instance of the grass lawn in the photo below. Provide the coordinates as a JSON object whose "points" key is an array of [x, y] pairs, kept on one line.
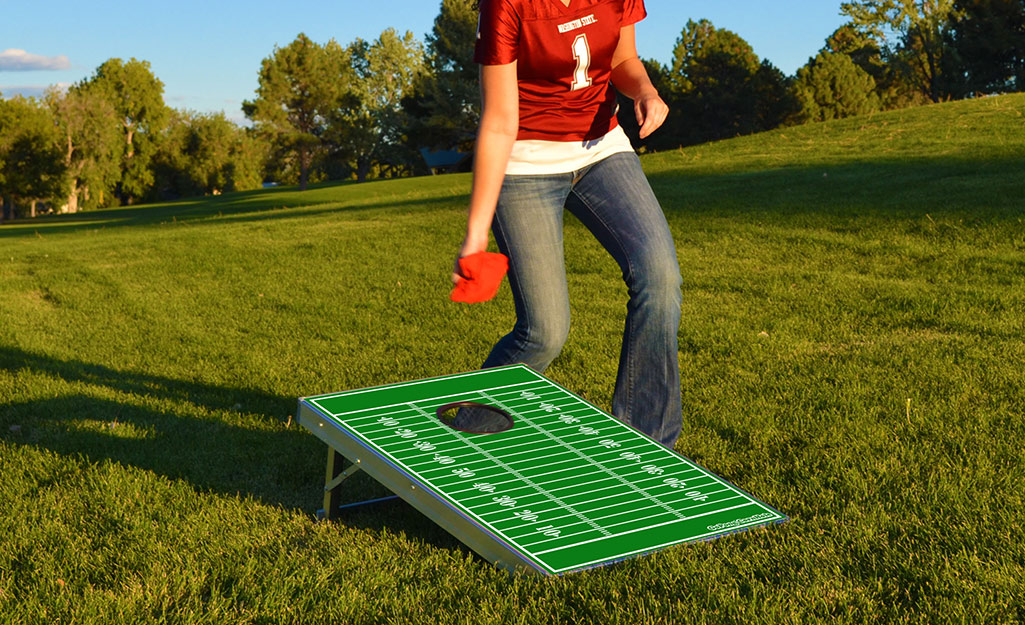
{"points": [[852, 350]]}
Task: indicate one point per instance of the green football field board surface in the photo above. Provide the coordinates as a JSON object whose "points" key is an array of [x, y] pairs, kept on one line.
{"points": [[568, 487]]}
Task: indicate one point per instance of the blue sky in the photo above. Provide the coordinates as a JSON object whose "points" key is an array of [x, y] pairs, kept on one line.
{"points": [[207, 53]]}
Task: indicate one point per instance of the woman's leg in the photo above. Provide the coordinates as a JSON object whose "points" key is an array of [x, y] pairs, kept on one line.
{"points": [[614, 201], [528, 229]]}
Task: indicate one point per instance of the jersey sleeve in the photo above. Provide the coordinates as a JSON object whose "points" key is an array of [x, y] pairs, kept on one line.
{"points": [[633, 12], [498, 33]]}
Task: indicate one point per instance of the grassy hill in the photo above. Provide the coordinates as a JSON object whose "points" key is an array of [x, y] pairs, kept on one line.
{"points": [[851, 351]]}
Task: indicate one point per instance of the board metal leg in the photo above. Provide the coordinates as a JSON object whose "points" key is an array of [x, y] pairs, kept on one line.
{"points": [[334, 475]]}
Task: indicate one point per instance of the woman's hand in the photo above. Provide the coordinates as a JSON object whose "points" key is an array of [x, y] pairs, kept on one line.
{"points": [[631, 79], [651, 112], [471, 245]]}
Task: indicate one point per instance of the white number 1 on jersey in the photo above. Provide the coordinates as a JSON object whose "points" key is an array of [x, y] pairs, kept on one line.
{"points": [[582, 53]]}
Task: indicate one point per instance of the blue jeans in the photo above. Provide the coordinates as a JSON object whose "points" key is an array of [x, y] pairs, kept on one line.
{"points": [[614, 201]]}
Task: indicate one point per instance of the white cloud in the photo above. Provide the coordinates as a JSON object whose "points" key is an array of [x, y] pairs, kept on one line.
{"points": [[14, 60]]}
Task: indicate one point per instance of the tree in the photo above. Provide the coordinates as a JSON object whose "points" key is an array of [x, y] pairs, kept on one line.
{"points": [[864, 48], [702, 51], [832, 86], [205, 154], [870, 53], [918, 32], [370, 125], [988, 37], [776, 102], [91, 141], [444, 106], [300, 87], [5, 148], [31, 166], [170, 164], [709, 70], [718, 88], [138, 99], [249, 154]]}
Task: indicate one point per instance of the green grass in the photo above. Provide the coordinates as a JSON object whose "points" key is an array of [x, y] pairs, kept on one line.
{"points": [[852, 353]]}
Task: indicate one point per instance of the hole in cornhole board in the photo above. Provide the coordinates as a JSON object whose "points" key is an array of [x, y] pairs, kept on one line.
{"points": [[474, 418]]}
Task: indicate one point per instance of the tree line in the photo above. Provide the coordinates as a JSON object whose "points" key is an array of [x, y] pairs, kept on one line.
{"points": [[367, 109], [110, 140]]}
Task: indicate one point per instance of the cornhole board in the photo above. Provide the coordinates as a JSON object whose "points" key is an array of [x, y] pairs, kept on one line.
{"points": [[567, 488]]}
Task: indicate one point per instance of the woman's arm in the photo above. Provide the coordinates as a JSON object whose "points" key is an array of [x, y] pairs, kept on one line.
{"points": [[631, 79], [499, 124]]}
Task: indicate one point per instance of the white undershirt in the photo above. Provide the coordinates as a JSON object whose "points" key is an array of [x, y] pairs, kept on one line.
{"points": [[536, 156]]}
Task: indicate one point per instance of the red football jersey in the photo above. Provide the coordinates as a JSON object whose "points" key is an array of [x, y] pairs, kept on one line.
{"points": [[564, 60]]}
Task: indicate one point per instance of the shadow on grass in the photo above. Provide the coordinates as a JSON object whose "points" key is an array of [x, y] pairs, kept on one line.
{"points": [[243, 206], [976, 189], [980, 187], [274, 464], [232, 203]]}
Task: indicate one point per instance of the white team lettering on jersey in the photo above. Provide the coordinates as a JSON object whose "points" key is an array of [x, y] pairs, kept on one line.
{"points": [[578, 23]]}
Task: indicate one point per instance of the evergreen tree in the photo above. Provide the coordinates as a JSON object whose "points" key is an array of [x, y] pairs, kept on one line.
{"points": [[988, 37], [870, 53], [832, 86], [776, 101], [444, 106], [717, 88]]}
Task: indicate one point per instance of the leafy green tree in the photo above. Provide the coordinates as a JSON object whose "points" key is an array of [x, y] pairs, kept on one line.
{"points": [[988, 37], [915, 36], [706, 54], [91, 140], [206, 154], [250, 153], [718, 88], [5, 147], [444, 106], [369, 128], [171, 179], [709, 70], [300, 87], [138, 99], [31, 166], [832, 86]]}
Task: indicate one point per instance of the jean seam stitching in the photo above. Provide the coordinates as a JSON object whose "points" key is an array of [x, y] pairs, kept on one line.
{"points": [[626, 344]]}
